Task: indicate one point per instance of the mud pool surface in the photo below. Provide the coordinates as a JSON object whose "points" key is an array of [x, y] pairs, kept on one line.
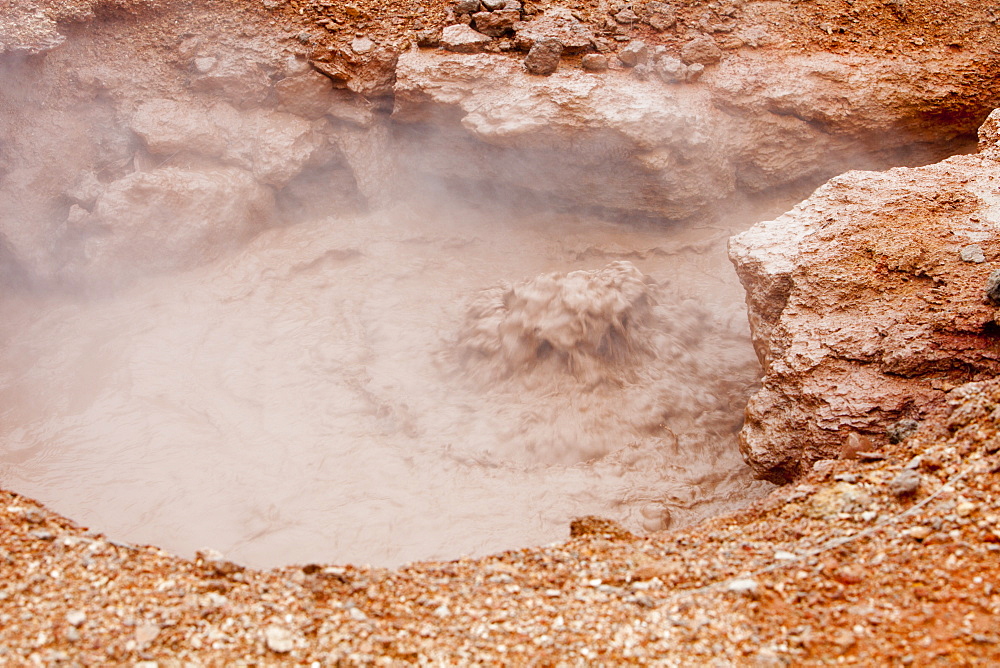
{"points": [[310, 397]]}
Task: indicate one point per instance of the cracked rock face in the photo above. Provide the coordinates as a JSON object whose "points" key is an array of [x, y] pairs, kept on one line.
{"points": [[864, 308]]}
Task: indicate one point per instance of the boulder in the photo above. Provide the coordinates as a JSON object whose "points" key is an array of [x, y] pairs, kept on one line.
{"points": [[308, 94], [241, 77], [862, 309], [167, 219], [273, 145]]}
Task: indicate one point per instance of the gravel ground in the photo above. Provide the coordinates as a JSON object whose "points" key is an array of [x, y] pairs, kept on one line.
{"points": [[850, 565]]}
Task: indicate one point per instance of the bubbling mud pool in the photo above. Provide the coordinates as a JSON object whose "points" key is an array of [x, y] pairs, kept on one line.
{"points": [[391, 387]]}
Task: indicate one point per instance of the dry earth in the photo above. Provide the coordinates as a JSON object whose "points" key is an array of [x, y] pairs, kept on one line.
{"points": [[889, 559]]}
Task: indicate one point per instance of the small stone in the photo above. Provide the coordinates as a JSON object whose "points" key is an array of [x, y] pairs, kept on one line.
{"points": [[279, 639], [742, 586], [208, 554], [429, 37], [627, 17], [993, 287], [660, 16], [557, 23], [848, 575], [839, 498], [670, 69], [854, 445], [919, 533], [594, 62], [701, 50], [694, 72], [463, 39], [784, 555], [466, 6], [905, 484], [901, 430], [965, 508], [635, 53], [361, 45], [204, 64], [494, 5], [767, 658], [76, 617], [642, 71], [823, 466], [146, 633], [543, 58], [972, 253], [304, 37], [496, 23], [989, 136]]}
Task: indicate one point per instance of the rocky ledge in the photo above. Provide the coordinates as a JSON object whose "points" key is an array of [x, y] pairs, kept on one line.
{"points": [[868, 301]]}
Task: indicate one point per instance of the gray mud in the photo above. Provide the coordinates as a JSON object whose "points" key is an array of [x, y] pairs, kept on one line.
{"points": [[334, 392]]}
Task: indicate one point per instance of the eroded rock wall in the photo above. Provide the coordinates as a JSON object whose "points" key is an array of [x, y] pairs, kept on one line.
{"points": [[867, 303], [98, 90]]}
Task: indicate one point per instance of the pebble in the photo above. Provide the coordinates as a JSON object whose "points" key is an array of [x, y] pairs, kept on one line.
{"points": [[467, 6], [905, 483], [594, 62], [993, 286], [626, 17], [146, 633], [494, 5], [204, 64], [972, 253], [899, 431], [76, 617], [919, 533], [742, 586], [965, 508], [361, 45], [543, 58], [278, 639], [635, 53], [701, 50]]}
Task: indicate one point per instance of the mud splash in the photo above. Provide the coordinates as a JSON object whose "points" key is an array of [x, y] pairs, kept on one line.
{"points": [[360, 390]]}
